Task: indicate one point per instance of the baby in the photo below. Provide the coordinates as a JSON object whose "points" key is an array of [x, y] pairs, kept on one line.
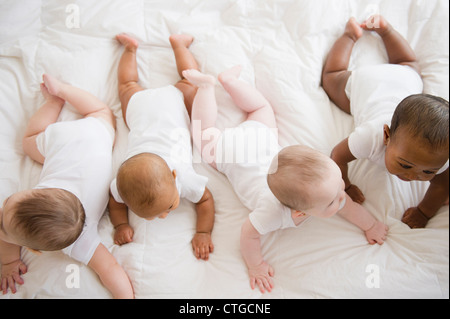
{"points": [[153, 178], [283, 187], [62, 211], [397, 126]]}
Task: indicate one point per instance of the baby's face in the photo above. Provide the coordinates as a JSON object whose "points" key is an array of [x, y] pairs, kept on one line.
{"points": [[412, 159], [329, 195]]}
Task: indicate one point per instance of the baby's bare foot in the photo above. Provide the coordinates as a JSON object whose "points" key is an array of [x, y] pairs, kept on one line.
{"points": [[48, 97], [128, 42], [230, 74], [52, 84], [378, 24], [197, 78], [353, 29], [184, 40]]}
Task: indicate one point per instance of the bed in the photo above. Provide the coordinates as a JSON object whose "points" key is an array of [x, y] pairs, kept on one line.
{"points": [[282, 45]]}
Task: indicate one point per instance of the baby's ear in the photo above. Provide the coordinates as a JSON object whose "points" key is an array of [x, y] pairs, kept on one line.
{"points": [[174, 173], [37, 252], [386, 134]]}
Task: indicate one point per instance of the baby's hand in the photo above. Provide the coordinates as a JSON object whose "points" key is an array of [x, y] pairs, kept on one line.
{"points": [[414, 218], [124, 234], [202, 245], [355, 194], [377, 233], [11, 275], [262, 276]]}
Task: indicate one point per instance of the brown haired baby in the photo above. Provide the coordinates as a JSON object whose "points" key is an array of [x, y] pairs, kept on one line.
{"points": [[416, 144], [157, 171], [62, 211]]}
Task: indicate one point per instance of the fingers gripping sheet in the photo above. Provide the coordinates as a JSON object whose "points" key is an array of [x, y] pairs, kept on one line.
{"points": [[282, 46]]}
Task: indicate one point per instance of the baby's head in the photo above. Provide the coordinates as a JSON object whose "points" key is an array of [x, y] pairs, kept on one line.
{"points": [[147, 186], [42, 219], [305, 180], [417, 140]]}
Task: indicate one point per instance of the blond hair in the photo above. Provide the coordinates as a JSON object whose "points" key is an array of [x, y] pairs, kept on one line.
{"points": [[141, 179], [50, 219], [293, 174]]}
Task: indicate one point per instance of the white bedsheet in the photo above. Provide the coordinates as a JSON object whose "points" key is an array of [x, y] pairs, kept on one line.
{"points": [[282, 46]]}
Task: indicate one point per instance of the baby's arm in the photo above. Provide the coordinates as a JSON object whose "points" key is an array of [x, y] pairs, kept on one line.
{"points": [[374, 230], [118, 213], [435, 198], [259, 271], [12, 266], [202, 243], [111, 274], [342, 156]]}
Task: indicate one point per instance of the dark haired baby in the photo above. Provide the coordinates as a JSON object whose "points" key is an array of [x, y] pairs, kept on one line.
{"points": [[415, 144]]}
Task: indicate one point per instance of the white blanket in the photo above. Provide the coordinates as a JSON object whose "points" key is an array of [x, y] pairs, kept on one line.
{"points": [[282, 46]]}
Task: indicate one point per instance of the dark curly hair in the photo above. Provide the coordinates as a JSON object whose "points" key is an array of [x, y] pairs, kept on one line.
{"points": [[425, 116]]}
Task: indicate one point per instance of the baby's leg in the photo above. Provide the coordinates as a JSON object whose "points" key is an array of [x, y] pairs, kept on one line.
{"points": [[335, 73], [47, 114], [127, 72], [84, 102], [247, 98], [204, 114], [398, 49], [185, 61]]}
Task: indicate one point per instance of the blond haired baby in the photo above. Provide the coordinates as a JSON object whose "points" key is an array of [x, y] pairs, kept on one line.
{"points": [[282, 187]]}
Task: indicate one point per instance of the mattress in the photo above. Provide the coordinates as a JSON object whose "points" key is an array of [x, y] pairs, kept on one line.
{"points": [[282, 46]]}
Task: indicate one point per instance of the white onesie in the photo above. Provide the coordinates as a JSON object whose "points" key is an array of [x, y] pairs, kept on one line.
{"points": [[244, 155], [374, 93], [78, 158], [159, 124]]}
